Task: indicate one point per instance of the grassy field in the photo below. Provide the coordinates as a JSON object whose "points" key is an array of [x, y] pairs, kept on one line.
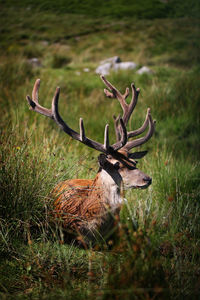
{"points": [[159, 260]]}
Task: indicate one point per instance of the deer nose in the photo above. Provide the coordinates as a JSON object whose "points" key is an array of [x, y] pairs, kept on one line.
{"points": [[147, 179]]}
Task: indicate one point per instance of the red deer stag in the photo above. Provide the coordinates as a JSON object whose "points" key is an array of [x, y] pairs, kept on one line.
{"points": [[89, 206]]}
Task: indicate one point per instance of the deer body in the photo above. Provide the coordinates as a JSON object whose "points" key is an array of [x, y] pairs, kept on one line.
{"points": [[84, 207], [91, 206]]}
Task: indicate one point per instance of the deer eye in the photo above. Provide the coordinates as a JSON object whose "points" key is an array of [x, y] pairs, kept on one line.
{"points": [[117, 165]]}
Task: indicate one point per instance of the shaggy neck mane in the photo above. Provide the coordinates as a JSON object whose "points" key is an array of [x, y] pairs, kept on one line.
{"points": [[107, 189]]}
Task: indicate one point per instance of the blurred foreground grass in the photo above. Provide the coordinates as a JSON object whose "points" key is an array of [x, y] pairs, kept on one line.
{"points": [[159, 260]]}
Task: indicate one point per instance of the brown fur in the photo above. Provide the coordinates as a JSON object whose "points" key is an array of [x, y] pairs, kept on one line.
{"points": [[78, 202]]}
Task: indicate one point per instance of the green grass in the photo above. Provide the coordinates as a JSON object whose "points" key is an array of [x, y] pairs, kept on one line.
{"points": [[156, 251], [145, 9]]}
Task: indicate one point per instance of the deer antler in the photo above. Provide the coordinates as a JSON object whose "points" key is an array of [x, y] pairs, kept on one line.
{"points": [[127, 111], [127, 108], [81, 137]]}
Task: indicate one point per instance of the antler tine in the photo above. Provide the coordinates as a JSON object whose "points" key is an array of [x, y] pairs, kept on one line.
{"points": [[106, 138], [142, 140], [123, 140], [36, 90], [82, 130], [84, 139], [80, 137], [34, 105], [116, 123], [142, 128], [131, 106], [115, 93]]}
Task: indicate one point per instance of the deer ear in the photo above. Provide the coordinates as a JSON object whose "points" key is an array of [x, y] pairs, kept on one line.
{"points": [[102, 160], [104, 163], [137, 155]]}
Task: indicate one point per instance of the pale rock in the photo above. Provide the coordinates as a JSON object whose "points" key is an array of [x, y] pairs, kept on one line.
{"points": [[112, 60], [127, 65], [143, 70], [114, 64], [104, 69]]}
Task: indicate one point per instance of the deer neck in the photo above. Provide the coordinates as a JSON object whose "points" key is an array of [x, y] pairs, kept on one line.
{"points": [[110, 188]]}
